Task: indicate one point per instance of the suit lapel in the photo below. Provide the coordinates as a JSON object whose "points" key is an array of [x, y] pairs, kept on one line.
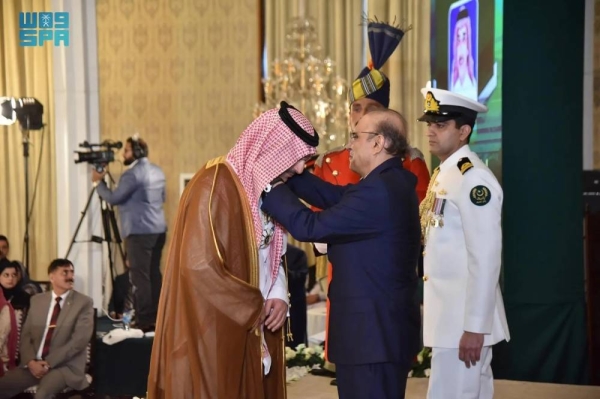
{"points": [[46, 306], [41, 313], [64, 311]]}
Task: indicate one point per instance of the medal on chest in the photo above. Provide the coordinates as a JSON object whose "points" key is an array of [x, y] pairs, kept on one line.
{"points": [[435, 217], [268, 230]]}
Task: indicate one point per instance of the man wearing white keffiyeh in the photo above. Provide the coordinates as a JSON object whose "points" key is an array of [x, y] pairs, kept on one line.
{"points": [[224, 297]]}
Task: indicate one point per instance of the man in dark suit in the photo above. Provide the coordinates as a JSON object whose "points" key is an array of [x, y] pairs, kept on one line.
{"points": [[373, 235], [54, 339]]}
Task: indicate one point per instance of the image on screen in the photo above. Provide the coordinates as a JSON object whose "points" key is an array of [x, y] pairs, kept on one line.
{"points": [[466, 58], [462, 48]]}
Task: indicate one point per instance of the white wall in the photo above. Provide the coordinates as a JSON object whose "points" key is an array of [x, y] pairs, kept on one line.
{"points": [[77, 119]]}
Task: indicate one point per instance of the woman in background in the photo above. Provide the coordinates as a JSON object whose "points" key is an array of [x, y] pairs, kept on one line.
{"points": [[12, 282], [8, 322]]}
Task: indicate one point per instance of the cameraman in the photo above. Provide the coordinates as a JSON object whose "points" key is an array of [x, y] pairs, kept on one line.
{"points": [[140, 196]]}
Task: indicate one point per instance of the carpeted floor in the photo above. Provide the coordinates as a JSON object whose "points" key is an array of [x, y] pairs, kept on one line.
{"points": [[311, 387]]}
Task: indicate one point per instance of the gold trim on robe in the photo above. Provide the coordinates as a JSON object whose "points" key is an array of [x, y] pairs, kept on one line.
{"points": [[204, 345]]}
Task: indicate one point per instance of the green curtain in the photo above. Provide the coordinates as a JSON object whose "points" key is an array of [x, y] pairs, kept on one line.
{"points": [[543, 214]]}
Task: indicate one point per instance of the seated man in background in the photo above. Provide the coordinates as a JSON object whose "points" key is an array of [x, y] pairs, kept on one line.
{"points": [[53, 350]]}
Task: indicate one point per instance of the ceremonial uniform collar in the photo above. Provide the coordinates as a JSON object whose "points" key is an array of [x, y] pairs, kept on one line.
{"points": [[452, 160]]}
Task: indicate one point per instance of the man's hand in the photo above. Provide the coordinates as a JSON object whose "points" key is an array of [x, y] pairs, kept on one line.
{"points": [[97, 176], [38, 368], [311, 299], [469, 349], [276, 311]]}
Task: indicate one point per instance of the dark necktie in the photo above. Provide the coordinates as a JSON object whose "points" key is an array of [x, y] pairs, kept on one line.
{"points": [[51, 327]]}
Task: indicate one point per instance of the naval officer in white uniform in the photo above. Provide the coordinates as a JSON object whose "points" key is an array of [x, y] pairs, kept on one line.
{"points": [[461, 226]]}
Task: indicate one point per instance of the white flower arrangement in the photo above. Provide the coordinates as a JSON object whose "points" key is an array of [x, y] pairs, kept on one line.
{"points": [[289, 353], [303, 356], [422, 364], [301, 360]]}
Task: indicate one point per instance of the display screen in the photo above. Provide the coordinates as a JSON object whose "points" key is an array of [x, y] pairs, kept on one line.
{"points": [[466, 58]]}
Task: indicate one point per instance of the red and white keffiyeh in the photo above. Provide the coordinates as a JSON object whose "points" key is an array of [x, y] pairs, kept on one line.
{"points": [[266, 149]]}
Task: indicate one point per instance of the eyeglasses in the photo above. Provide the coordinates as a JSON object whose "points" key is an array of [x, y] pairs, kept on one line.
{"points": [[354, 135]]}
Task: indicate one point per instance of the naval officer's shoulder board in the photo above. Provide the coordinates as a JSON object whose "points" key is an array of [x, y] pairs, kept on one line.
{"points": [[479, 195], [464, 165]]}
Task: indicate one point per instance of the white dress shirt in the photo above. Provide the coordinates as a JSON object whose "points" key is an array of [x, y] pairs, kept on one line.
{"points": [[279, 288], [268, 288], [49, 318]]}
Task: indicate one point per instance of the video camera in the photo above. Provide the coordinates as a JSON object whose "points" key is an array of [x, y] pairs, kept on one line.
{"points": [[100, 157]]}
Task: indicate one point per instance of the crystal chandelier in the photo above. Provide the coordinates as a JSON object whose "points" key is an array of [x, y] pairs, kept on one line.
{"points": [[309, 83]]}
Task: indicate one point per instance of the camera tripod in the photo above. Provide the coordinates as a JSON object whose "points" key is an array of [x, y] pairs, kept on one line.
{"points": [[109, 228]]}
